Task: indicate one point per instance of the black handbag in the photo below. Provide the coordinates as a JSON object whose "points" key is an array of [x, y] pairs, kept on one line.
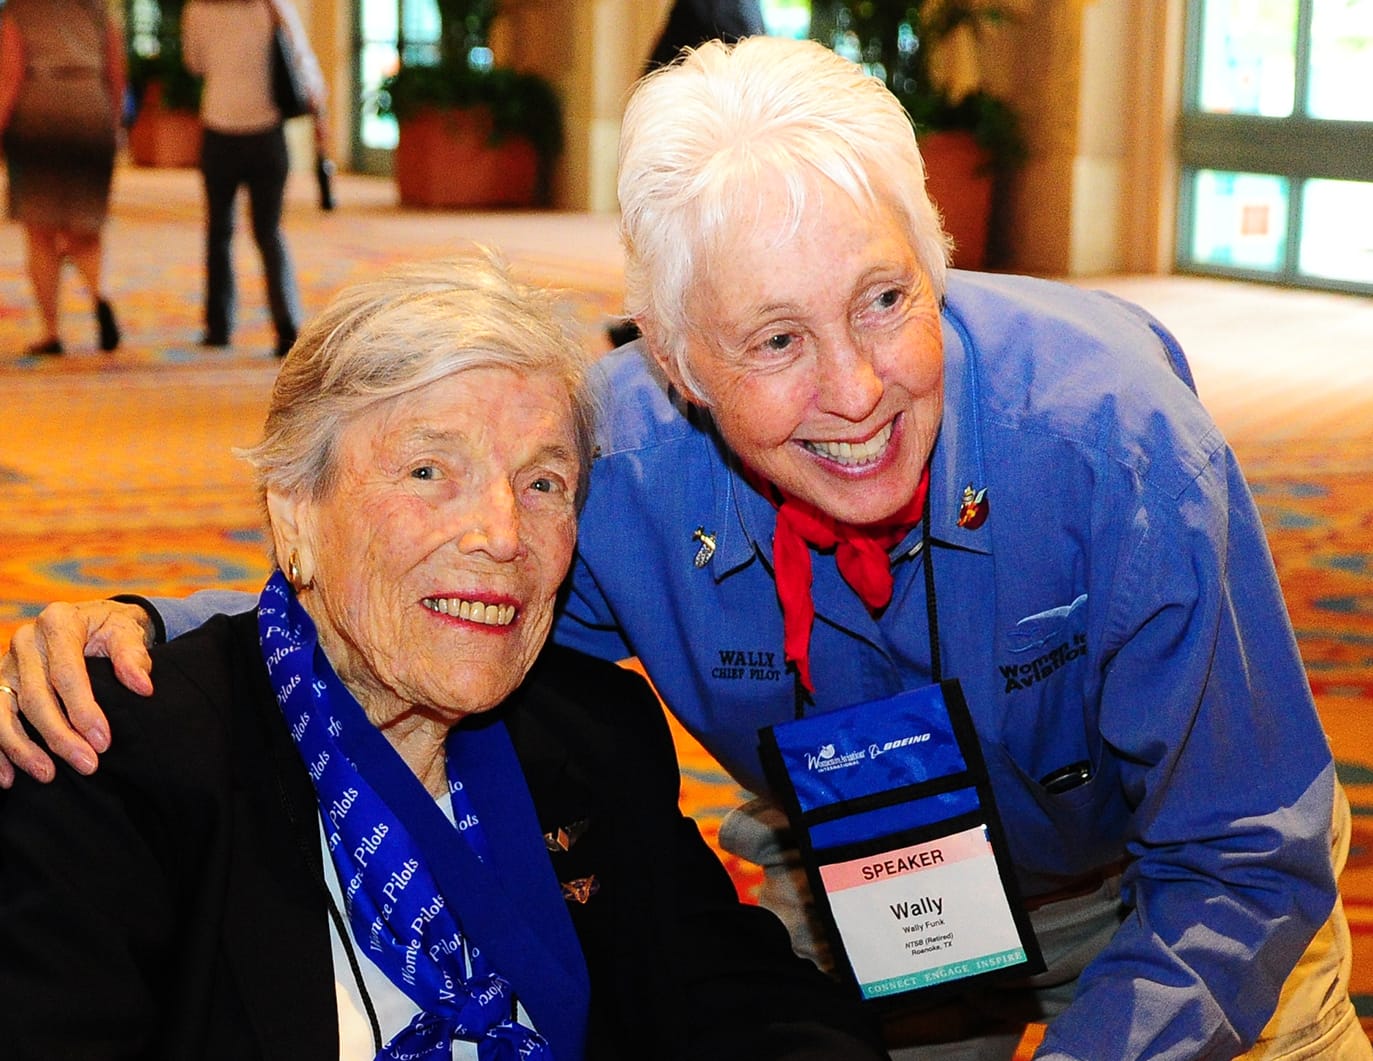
{"points": [[288, 91], [324, 174]]}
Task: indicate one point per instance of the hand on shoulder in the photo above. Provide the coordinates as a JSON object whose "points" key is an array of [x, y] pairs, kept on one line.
{"points": [[45, 670]]}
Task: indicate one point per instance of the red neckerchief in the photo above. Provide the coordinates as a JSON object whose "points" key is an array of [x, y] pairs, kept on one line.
{"points": [[860, 552]]}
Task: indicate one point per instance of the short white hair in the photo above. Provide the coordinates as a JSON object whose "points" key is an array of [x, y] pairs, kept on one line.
{"points": [[703, 136], [392, 334]]}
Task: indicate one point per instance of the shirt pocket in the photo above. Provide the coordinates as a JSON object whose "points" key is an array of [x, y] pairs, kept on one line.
{"points": [[1047, 730]]}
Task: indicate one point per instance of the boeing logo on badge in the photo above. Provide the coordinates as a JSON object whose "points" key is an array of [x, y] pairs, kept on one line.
{"points": [[874, 750]]}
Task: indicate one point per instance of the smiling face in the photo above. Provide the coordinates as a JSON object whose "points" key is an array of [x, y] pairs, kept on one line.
{"points": [[820, 355], [437, 554]]}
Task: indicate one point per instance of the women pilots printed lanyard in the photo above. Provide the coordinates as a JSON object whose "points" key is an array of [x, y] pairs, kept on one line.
{"points": [[418, 890], [898, 830]]}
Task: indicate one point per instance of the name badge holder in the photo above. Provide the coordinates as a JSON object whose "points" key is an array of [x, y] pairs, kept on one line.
{"points": [[898, 831]]}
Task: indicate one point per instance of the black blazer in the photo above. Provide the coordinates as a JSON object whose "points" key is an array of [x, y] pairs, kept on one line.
{"points": [[172, 905]]}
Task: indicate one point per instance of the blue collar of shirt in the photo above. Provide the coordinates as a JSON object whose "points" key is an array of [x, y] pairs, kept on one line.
{"points": [[746, 519]]}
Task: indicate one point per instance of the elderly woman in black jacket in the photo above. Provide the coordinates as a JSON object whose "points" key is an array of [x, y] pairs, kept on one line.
{"points": [[375, 818]]}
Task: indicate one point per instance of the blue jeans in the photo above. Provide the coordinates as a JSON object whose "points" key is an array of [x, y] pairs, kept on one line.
{"points": [[258, 160]]}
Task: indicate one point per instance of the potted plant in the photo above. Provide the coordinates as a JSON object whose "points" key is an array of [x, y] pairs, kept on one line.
{"points": [[471, 134], [166, 128], [926, 52]]}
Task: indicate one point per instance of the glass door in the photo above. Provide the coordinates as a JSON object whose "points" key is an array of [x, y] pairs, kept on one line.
{"points": [[786, 18], [386, 30], [1276, 142]]}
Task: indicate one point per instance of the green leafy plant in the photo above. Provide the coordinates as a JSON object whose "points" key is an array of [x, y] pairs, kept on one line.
{"points": [[154, 55], [913, 47], [462, 75]]}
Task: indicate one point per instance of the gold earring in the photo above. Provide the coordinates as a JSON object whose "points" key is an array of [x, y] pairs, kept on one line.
{"points": [[293, 573]]}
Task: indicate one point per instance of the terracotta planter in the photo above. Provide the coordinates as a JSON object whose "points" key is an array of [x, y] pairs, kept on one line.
{"points": [[161, 137], [445, 158], [959, 180]]}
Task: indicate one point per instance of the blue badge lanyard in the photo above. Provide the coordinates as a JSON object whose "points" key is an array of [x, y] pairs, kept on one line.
{"points": [[931, 608]]}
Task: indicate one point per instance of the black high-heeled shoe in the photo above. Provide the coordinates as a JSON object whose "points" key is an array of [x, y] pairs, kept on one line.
{"points": [[109, 330], [44, 348]]}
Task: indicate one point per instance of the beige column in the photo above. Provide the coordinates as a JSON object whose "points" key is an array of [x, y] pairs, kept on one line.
{"points": [[329, 25], [1124, 174], [592, 51], [1149, 207], [1096, 83]]}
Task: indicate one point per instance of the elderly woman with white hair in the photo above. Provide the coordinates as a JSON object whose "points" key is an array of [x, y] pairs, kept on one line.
{"points": [[373, 818], [955, 569]]}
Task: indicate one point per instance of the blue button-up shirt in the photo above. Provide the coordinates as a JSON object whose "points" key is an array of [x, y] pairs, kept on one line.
{"points": [[1119, 606]]}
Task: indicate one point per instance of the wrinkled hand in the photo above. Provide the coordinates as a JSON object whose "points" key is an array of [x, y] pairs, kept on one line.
{"points": [[46, 666]]}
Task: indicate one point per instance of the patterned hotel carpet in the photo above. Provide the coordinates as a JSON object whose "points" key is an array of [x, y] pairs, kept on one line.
{"points": [[117, 473]]}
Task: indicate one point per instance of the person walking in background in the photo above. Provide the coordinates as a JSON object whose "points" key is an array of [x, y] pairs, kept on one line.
{"points": [[229, 44], [62, 77]]}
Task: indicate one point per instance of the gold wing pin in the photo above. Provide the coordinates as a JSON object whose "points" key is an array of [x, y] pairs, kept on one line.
{"points": [[707, 549]]}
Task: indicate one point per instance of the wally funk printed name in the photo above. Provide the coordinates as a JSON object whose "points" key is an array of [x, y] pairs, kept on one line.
{"points": [[920, 917]]}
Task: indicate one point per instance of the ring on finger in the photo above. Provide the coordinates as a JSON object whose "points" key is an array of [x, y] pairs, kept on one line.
{"points": [[12, 691]]}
